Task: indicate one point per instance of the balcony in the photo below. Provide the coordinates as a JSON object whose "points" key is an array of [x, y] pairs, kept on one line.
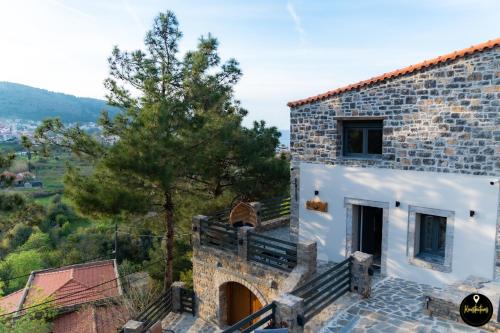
{"points": [[257, 232]]}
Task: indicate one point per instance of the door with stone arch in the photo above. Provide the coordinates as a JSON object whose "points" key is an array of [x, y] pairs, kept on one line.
{"points": [[241, 302]]}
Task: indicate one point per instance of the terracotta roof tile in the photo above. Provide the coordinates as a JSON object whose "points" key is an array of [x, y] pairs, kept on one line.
{"points": [[10, 302], [93, 319], [65, 282], [377, 79]]}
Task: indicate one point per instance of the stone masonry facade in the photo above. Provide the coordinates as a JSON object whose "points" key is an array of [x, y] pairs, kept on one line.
{"points": [[442, 118], [213, 268]]}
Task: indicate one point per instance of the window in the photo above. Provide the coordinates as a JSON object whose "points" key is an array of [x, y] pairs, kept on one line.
{"points": [[363, 138], [432, 237]]}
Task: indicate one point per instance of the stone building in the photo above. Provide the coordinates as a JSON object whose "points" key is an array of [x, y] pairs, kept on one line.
{"points": [[405, 166], [229, 282]]}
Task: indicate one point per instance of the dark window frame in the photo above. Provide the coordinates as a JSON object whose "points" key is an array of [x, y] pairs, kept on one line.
{"points": [[365, 126], [437, 239]]}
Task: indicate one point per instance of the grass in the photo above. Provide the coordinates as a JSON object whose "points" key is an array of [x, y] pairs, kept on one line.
{"points": [[50, 170]]}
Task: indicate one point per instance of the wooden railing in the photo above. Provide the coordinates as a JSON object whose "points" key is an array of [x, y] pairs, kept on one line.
{"points": [[274, 208], [155, 311], [218, 234], [325, 288], [187, 300], [272, 251], [263, 318]]}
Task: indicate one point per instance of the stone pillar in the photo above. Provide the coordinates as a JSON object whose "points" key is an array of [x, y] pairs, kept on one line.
{"points": [[290, 313], [361, 273], [196, 230], [294, 200], [133, 326], [258, 220], [243, 241], [176, 295], [306, 256]]}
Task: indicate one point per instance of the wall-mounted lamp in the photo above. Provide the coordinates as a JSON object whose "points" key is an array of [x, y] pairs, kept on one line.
{"points": [[397, 204], [494, 181], [316, 192], [472, 213]]}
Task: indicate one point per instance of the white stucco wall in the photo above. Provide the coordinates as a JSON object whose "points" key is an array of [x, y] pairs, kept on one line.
{"points": [[474, 238]]}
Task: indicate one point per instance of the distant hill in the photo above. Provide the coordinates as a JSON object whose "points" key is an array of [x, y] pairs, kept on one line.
{"points": [[25, 102]]}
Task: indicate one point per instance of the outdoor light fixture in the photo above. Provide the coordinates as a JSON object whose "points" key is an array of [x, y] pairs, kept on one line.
{"points": [[472, 213], [494, 181], [398, 204], [316, 192]]}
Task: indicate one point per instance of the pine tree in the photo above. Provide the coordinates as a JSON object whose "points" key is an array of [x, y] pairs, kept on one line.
{"points": [[179, 131]]}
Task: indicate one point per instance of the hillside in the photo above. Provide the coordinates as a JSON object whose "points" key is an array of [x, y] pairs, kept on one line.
{"points": [[25, 102]]}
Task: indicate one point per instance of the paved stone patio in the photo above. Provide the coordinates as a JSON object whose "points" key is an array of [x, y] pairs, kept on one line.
{"points": [[186, 323], [396, 305]]}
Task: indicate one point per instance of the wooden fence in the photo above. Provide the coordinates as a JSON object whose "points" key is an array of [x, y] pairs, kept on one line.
{"points": [[272, 251], [187, 301], [325, 288], [219, 234], [274, 208], [155, 311], [263, 318]]}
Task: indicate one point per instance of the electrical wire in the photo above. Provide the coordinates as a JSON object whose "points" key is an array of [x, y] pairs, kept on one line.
{"points": [[73, 294], [50, 268]]}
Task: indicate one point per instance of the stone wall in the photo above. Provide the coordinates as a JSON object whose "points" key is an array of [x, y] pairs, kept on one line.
{"points": [[443, 119], [446, 303], [213, 268]]}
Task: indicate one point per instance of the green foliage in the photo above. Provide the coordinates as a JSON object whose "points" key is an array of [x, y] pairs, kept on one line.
{"points": [[25, 102], [187, 278], [17, 264], [38, 241], [18, 235], [179, 137], [36, 320], [11, 202]]}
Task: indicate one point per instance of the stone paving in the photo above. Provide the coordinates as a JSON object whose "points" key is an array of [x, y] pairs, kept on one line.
{"points": [[186, 323], [396, 305]]}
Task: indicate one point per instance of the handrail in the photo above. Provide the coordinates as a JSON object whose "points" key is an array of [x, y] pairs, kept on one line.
{"points": [[248, 320], [298, 290], [325, 288], [273, 252]]}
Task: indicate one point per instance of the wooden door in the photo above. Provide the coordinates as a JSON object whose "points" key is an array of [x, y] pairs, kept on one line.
{"points": [[241, 302], [371, 230]]}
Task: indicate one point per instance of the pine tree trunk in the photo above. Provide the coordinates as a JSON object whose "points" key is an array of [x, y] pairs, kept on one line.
{"points": [[169, 235]]}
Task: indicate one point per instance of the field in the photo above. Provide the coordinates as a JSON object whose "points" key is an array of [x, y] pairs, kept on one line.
{"points": [[50, 170]]}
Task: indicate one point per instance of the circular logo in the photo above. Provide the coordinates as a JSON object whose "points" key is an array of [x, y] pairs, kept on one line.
{"points": [[476, 310]]}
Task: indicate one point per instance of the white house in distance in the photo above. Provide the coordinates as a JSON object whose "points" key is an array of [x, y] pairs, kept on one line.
{"points": [[405, 166]]}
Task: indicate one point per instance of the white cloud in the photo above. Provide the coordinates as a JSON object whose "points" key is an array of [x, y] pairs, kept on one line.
{"points": [[297, 21]]}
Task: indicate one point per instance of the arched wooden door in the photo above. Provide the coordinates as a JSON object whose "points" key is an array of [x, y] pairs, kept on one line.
{"points": [[241, 302]]}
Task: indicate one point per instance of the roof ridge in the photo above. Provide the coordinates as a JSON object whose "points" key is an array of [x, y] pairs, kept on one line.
{"points": [[402, 71], [65, 268]]}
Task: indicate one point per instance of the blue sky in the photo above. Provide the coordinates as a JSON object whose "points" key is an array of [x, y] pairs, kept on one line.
{"points": [[287, 49]]}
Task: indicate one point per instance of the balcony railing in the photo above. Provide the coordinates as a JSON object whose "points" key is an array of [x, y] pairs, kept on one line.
{"points": [[216, 231], [274, 208], [218, 234], [272, 251]]}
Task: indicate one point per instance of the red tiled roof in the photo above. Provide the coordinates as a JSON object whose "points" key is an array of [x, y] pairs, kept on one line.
{"points": [[10, 302], [407, 70], [93, 319], [74, 284]]}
